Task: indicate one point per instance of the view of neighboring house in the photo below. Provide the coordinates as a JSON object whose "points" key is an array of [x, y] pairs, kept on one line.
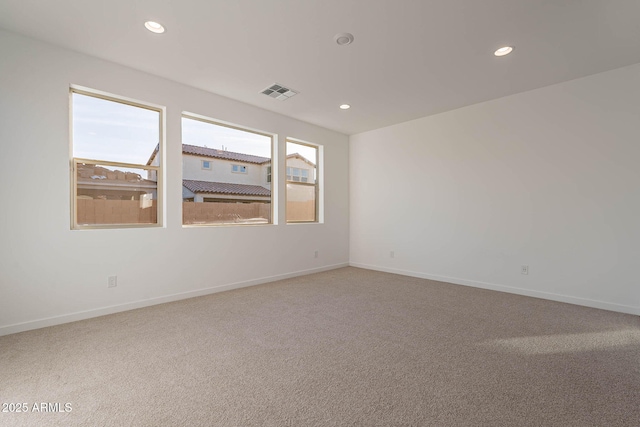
{"points": [[99, 182], [235, 187], [112, 196], [301, 191], [211, 175], [300, 169], [219, 176]]}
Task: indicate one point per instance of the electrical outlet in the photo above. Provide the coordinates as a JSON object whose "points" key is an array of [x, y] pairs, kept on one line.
{"points": [[315, 254], [524, 269], [392, 254], [113, 281]]}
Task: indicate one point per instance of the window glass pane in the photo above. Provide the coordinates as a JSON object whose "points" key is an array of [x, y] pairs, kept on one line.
{"points": [[301, 168], [230, 193], [301, 203], [115, 195], [113, 131], [120, 185]]}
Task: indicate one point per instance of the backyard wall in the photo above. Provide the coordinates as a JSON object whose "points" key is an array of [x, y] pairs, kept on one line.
{"points": [[221, 212], [97, 211], [301, 211]]}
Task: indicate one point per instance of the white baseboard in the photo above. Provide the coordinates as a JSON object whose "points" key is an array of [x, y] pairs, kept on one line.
{"points": [[102, 311], [520, 291]]}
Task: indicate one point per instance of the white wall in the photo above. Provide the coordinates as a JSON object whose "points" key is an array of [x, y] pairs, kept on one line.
{"points": [[50, 274], [548, 178]]}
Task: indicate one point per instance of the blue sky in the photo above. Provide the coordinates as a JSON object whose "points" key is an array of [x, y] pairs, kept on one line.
{"points": [[107, 130], [203, 134]]}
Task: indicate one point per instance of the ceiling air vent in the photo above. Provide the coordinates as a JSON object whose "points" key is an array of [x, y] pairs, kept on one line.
{"points": [[279, 92]]}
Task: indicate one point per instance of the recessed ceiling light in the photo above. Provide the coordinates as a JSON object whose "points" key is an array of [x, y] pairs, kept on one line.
{"points": [[345, 106], [343, 39], [506, 50], [154, 27]]}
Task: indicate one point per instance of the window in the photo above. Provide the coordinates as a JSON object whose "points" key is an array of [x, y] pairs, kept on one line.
{"points": [[268, 173], [302, 182], [297, 174], [116, 162], [235, 192], [206, 164]]}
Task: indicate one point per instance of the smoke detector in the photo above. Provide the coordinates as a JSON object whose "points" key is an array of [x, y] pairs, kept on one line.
{"points": [[343, 39], [279, 92]]}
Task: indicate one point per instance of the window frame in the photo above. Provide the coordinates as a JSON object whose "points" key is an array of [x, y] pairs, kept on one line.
{"points": [[272, 188], [74, 161], [317, 184]]}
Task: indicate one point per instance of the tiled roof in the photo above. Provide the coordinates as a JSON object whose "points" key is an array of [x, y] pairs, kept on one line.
{"points": [[154, 154], [220, 154], [90, 174], [300, 156], [225, 188]]}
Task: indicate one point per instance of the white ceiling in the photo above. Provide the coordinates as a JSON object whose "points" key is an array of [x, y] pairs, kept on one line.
{"points": [[410, 58]]}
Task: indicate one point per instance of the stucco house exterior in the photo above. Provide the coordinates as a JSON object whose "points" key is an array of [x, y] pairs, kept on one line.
{"points": [[300, 169], [211, 175]]}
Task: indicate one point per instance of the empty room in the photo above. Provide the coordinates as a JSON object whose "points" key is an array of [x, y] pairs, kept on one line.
{"points": [[319, 213]]}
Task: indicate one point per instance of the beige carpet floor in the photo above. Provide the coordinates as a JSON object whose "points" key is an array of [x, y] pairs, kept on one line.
{"points": [[348, 347]]}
